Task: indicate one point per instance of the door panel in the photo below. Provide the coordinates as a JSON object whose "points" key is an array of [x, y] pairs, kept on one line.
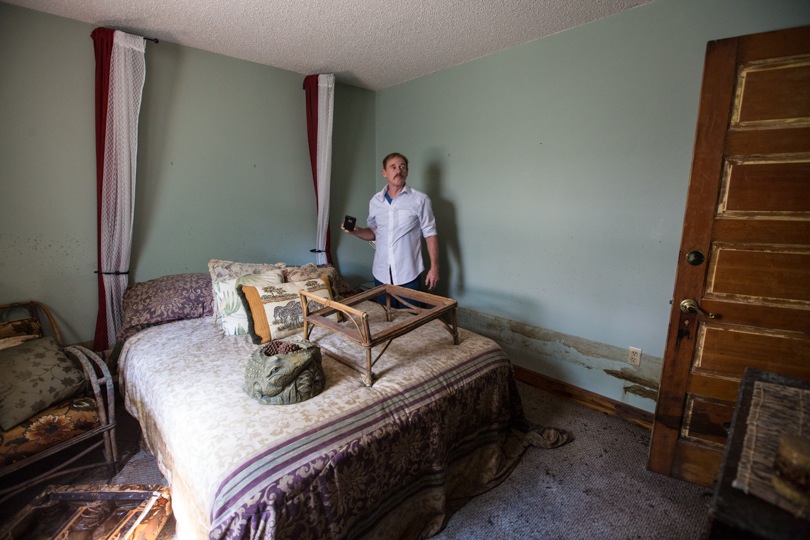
{"points": [[692, 461], [770, 94], [769, 274], [703, 420], [759, 188], [748, 213], [727, 350], [760, 231]]}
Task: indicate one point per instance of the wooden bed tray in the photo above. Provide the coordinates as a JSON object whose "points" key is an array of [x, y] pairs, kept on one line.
{"points": [[424, 306]]}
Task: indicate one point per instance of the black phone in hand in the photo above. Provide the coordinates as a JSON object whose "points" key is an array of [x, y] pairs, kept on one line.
{"points": [[348, 223]]}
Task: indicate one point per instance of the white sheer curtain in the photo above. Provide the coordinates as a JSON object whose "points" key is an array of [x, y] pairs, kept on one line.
{"points": [[326, 100], [127, 75], [320, 92]]}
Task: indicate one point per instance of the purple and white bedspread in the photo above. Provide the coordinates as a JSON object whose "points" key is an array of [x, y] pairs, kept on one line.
{"points": [[441, 424]]}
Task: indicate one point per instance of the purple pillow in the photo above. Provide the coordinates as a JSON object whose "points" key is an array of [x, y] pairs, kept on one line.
{"points": [[166, 299]]}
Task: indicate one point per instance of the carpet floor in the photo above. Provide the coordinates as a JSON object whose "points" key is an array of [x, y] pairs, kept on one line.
{"points": [[595, 487]]}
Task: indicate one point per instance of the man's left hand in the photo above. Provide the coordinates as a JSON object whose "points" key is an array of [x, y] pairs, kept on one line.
{"points": [[432, 279]]}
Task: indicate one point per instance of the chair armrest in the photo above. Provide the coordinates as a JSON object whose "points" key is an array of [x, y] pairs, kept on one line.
{"points": [[100, 380]]}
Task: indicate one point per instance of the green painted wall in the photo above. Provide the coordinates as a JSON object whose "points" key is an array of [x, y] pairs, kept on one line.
{"points": [[47, 167], [223, 165], [559, 171]]}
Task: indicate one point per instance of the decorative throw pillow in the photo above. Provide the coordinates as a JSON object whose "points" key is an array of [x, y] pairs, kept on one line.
{"points": [[340, 288], [309, 271], [276, 310], [233, 310], [165, 299], [35, 375], [229, 271]]}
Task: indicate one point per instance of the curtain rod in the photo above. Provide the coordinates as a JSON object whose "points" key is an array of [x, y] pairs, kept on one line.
{"points": [[154, 40]]}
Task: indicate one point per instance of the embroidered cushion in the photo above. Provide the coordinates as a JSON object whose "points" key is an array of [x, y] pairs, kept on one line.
{"points": [[276, 309], [233, 309], [226, 278], [310, 270]]}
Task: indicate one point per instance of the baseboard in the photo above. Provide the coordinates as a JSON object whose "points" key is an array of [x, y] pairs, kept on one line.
{"points": [[585, 397]]}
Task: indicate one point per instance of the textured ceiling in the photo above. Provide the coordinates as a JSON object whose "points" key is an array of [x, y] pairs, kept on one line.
{"points": [[373, 44]]}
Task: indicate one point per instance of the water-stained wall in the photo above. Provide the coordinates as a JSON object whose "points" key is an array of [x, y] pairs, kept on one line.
{"points": [[593, 366]]}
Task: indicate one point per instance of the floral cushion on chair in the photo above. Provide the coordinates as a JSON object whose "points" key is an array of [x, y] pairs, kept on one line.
{"points": [[48, 428], [34, 376]]}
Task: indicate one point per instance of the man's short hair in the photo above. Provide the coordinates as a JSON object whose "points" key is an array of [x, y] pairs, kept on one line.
{"points": [[393, 155]]}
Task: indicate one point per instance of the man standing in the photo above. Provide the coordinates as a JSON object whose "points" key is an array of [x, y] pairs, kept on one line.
{"points": [[398, 217]]}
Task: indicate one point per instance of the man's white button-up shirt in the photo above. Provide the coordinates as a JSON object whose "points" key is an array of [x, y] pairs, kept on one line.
{"points": [[398, 227]]}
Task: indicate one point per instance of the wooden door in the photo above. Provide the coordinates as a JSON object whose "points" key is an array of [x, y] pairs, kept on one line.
{"points": [[745, 251]]}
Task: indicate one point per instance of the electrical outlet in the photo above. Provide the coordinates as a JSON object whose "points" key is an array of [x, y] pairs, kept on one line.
{"points": [[634, 356]]}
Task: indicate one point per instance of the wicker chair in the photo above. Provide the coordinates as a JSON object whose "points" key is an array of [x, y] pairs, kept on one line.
{"points": [[87, 416]]}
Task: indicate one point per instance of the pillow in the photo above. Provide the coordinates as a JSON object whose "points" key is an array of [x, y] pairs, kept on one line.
{"points": [[309, 271], [228, 271], [165, 299], [340, 288], [276, 310], [233, 314], [35, 375]]}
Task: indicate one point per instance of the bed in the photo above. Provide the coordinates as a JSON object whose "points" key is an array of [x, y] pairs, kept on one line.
{"points": [[442, 423]]}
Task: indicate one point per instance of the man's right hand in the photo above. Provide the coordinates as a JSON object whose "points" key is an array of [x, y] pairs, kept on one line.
{"points": [[360, 232]]}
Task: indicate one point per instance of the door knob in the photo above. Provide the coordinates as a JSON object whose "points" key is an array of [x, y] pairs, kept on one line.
{"points": [[691, 306]]}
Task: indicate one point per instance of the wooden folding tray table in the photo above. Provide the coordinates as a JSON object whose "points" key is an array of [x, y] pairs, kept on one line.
{"points": [[424, 307]]}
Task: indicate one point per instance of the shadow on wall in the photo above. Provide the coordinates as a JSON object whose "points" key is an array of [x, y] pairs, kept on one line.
{"points": [[450, 269]]}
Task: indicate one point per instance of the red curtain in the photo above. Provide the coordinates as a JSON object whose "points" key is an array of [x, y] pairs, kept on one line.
{"points": [[311, 90], [102, 44]]}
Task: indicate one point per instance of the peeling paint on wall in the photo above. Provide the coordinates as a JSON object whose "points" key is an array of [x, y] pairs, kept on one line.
{"points": [[584, 347], [641, 386], [594, 366], [627, 374], [641, 391]]}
